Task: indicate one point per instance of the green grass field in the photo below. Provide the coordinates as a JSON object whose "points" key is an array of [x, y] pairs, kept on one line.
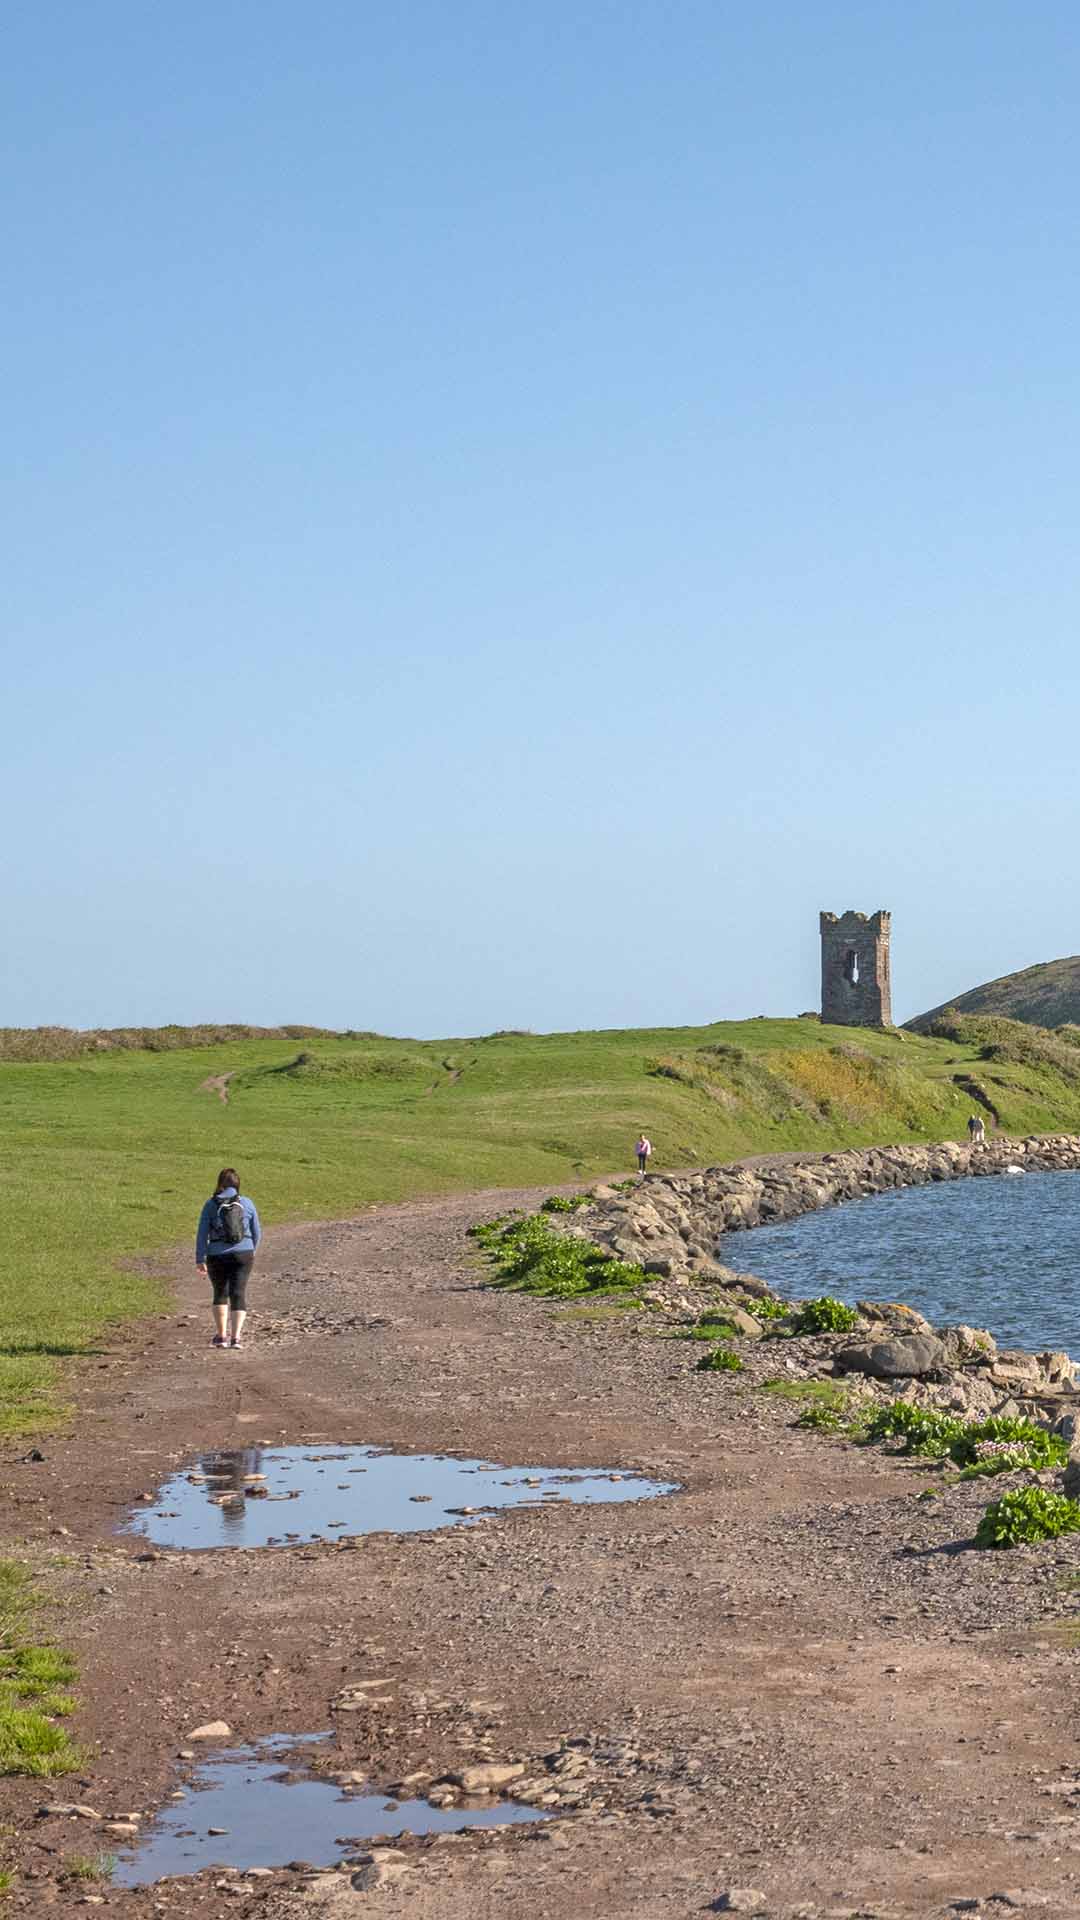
{"points": [[108, 1154]]}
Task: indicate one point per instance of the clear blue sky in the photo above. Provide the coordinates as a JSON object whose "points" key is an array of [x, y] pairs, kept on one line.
{"points": [[512, 508]]}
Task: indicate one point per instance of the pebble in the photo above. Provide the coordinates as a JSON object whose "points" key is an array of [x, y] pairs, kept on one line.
{"points": [[213, 1730]]}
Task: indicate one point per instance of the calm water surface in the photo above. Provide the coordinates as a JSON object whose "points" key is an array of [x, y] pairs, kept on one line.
{"points": [[278, 1496], [1001, 1252], [241, 1809]]}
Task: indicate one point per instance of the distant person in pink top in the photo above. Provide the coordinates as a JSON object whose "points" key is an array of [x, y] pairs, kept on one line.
{"points": [[643, 1150]]}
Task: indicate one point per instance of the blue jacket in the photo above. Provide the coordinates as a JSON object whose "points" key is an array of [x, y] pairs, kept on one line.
{"points": [[206, 1243]]}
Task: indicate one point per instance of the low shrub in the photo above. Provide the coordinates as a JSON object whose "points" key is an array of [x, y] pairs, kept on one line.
{"points": [[720, 1360], [564, 1203], [1027, 1514], [824, 1315]]}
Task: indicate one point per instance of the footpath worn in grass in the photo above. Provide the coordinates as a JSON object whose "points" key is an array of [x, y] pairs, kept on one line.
{"points": [[109, 1144]]}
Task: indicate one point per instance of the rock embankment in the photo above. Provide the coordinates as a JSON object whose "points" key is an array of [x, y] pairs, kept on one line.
{"points": [[671, 1224]]}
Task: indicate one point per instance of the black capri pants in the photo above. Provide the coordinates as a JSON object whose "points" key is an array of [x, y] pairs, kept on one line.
{"points": [[229, 1277]]}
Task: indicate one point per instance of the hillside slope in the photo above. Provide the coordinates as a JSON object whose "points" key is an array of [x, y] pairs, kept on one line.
{"points": [[106, 1155], [1044, 996]]}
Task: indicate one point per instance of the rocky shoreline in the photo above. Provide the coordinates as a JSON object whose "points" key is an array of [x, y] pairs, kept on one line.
{"points": [[671, 1226], [670, 1223]]}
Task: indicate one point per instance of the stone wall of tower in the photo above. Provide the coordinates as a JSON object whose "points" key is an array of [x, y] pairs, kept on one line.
{"points": [[856, 981]]}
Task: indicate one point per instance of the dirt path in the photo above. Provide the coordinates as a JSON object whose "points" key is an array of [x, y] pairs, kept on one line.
{"points": [[219, 1083], [788, 1680]]}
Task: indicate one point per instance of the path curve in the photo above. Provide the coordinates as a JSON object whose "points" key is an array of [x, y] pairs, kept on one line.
{"points": [[809, 1696]]}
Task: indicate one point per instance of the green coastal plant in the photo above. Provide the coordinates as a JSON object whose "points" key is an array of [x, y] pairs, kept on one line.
{"points": [[1001, 1443], [564, 1202], [824, 1315], [822, 1418], [531, 1257], [1027, 1514], [923, 1430], [720, 1360], [766, 1309], [1016, 1431]]}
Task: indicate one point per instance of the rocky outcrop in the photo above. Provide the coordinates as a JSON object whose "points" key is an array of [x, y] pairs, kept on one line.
{"points": [[927, 1354], [913, 1355], [672, 1224]]}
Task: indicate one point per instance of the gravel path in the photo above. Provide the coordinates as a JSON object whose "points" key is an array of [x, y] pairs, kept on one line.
{"points": [[790, 1676]]}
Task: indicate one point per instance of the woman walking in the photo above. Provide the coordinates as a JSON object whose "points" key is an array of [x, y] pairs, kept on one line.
{"points": [[225, 1244]]}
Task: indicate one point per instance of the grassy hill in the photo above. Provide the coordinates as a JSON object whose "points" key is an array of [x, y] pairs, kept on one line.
{"points": [[108, 1150], [1043, 996]]}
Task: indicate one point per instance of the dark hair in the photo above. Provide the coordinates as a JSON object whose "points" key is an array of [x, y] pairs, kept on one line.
{"points": [[228, 1177]]}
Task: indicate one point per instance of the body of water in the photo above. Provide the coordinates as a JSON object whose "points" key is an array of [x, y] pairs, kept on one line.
{"points": [[1001, 1252]]}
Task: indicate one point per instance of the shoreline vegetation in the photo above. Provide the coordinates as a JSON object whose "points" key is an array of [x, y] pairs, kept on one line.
{"points": [[875, 1373], [110, 1137], [640, 1257]]}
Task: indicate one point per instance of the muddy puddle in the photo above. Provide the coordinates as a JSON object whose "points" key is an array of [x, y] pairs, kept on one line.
{"points": [[284, 1496], [246, 1807]]}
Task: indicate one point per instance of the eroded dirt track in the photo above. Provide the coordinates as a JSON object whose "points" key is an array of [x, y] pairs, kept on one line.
{"points": [[789, 1679]]}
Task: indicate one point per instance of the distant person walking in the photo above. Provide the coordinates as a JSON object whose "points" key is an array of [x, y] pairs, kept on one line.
{"points": [[977, 1131], [643, 1151], [225, 1244]]}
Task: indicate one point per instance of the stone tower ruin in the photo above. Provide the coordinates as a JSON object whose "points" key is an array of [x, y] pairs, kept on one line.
{"points": [[856, 982]]}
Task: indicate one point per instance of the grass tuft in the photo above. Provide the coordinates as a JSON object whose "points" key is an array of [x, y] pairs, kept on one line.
{"points": [[31, 1679], [720, 1360]]}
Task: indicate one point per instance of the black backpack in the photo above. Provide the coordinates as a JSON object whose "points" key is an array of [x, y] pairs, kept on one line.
{"points": [[228, 1221]]}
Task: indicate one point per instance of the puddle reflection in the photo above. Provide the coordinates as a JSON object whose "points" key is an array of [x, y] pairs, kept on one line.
{"points": [[241, 1809], [271, 1497]]}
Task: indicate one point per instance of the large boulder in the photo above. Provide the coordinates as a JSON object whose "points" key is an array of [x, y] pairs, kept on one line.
{"points": [[909, 1356]]}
